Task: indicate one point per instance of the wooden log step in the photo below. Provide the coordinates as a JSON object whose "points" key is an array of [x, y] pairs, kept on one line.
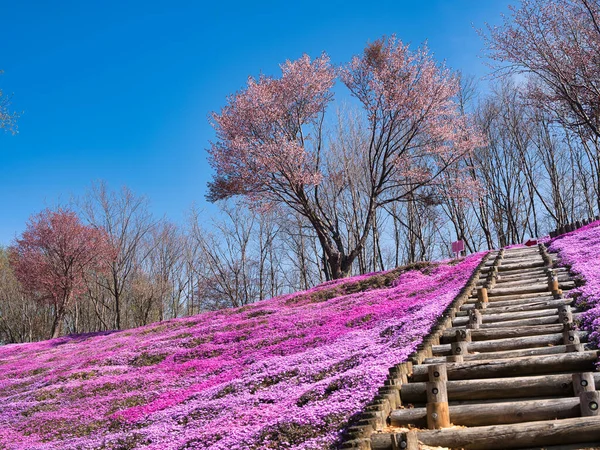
{"points": [[549, 350], [536, 321], [530, 280], [534, 365], [502, 333], [525, 260], [496, 345], [502, 317], [533, 288], [537, 273], [501, 298], [530, 289], [520, 307], [520, 266], [497, 388], [482, 414], [527, 434], [548, 320]]}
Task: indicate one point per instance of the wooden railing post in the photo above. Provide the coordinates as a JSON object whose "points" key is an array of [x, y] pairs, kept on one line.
{"points": [[475, 319], [583, 382], [438, 415], [565, 315], [482, 295], [406, 440], [589, 402], [460, 348]]}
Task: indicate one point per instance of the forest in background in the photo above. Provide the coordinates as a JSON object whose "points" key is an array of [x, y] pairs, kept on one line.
{"points": [[538, 168]]}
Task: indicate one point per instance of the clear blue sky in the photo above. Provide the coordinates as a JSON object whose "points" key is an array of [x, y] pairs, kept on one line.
{"points": [[121, 91]]}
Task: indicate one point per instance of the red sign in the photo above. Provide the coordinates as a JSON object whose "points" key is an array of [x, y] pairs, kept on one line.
{"points": [[458, 246], [531, 242]]}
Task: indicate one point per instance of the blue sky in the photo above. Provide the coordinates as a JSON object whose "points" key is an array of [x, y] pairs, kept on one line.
{"points": [[121, 91]]}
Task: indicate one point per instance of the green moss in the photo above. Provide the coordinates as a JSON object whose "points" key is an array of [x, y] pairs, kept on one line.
{"points": [[125, 403], [337, 368], [259, 313], [284, 435], [359, 321], [272, 380], [148, 359]]}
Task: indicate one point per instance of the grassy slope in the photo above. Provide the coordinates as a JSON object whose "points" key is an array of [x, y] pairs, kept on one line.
{"points": [[282, 373]]}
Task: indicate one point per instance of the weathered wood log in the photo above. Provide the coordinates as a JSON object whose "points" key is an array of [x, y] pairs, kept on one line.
{"points": [[459, 348], [474, 319], [529, 434], [589, 402], [543, 297], [583, 382], [535, 365], [528, 305], [498, 388], [502, 333], [482, 414], [565, 431], [520, 266], [504, 344], [540, 279], [437, 405], [565, 315], [549, 350], [529, 289], [381, 441], [547, 320], [463, 335], [437, 372], [482, 294], [575, 348], [405, 440], [529, 295], [503, 317], [570, 337]]}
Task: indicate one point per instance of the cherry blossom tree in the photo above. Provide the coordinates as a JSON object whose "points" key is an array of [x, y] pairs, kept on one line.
{"points": [[271, 147], [53, 257]]}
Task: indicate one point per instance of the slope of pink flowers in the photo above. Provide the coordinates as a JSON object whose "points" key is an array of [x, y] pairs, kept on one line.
{"points": [[283, 373], [580, 250]]}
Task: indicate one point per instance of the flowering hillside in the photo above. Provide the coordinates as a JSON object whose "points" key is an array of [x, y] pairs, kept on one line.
{"points": [[580, 250], [282, 373]]}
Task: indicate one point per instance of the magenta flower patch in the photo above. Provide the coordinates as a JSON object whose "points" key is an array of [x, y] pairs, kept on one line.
{"points": [[580, 250], [283, 373]]}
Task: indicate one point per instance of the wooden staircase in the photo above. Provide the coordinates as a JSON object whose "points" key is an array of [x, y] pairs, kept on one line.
{"points": [[507, 370]]}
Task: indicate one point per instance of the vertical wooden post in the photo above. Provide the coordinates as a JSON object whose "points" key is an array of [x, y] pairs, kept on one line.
{"points": [[460, 348], [552, 281], [406, 440], [437, 372], [583, 382], [438, 415], [482, 294], [475, 319], [570, 337], [565, 315], [455, 358], [575, 348], [463, 335], [589, 402]]}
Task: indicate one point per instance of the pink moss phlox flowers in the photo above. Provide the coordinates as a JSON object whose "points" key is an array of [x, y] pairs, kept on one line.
{"points": [[283, 373], [580, 250]]}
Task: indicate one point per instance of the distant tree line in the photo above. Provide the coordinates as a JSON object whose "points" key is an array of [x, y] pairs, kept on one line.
{"points": [[425, 160]]}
